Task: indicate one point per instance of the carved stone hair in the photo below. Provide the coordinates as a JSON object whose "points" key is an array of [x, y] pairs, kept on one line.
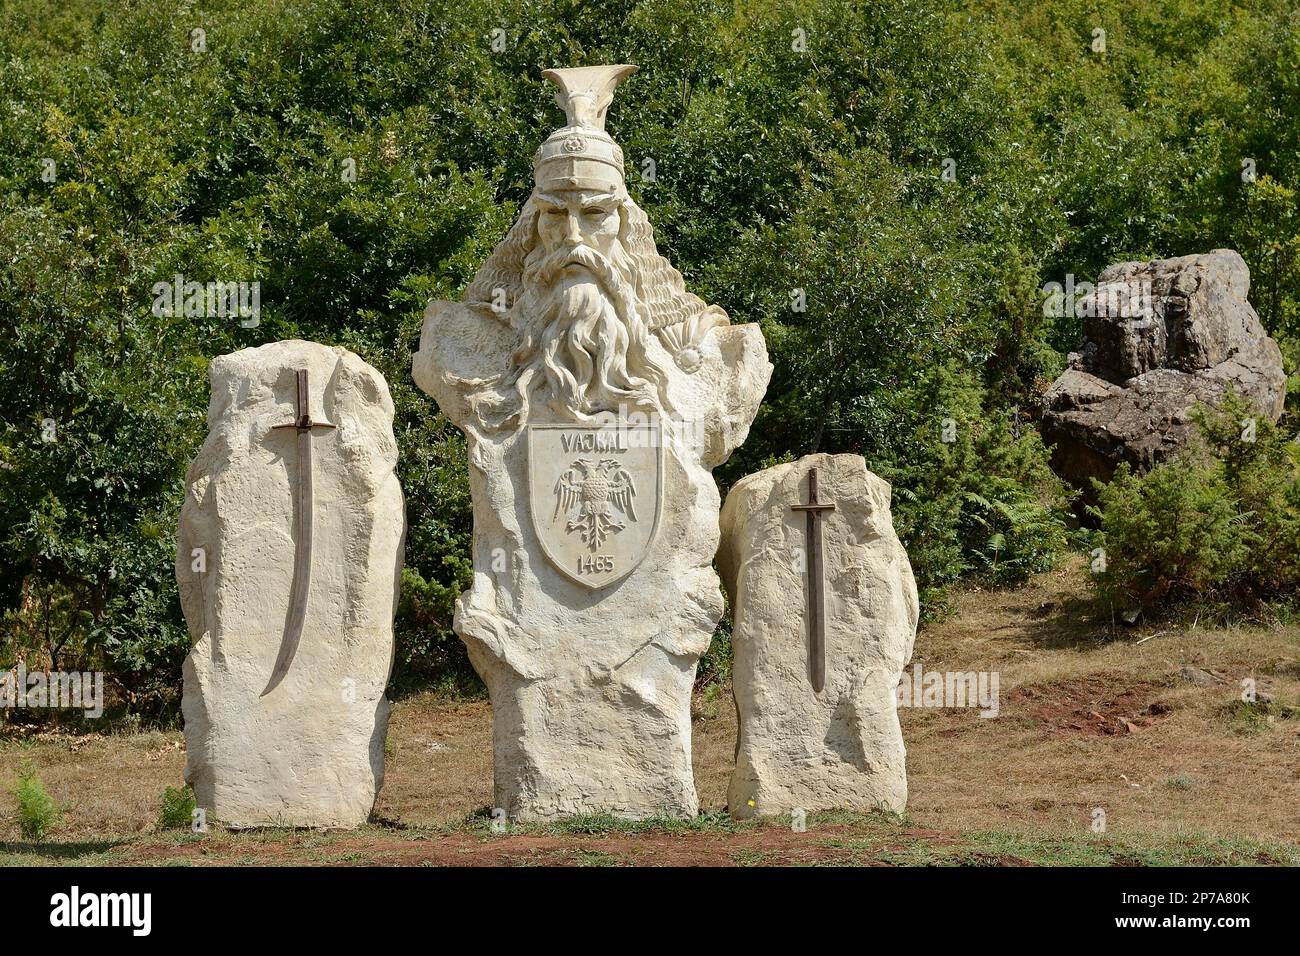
{"points": [[677, 316]]}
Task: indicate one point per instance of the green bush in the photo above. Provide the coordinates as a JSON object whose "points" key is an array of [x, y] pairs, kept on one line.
{"points": [[1218, 524], [1169, 535], [38, 813], [177, 808], [973, 493]]}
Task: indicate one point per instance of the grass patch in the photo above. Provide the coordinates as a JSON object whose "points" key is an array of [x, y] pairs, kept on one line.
{"points": [[1113, 850], [79, 853], [1003, 848], [1253, 717], [595, 858], [881, 819], [714, 821], [177, 809]]}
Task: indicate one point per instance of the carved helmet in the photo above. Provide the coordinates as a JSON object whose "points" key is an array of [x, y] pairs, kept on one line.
{"points": [[581, 155]]}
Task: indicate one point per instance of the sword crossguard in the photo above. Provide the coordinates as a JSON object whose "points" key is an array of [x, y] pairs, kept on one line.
{"points": [[304, 422]]}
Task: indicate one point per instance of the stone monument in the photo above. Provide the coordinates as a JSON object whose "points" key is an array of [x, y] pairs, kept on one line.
{"points": [[288, 558], [824, 611], [596, 394]]}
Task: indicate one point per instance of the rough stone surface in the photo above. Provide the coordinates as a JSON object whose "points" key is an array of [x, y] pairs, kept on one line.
{"points": [[1159, 336], [311, 752], [594, 594], [841, 748]]}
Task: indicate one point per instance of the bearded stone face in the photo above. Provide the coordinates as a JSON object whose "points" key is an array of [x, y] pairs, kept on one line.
{"points": [[578, 217], [584, 343]]}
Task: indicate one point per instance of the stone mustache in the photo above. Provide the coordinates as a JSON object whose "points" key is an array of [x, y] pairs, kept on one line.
{"points": [[596, 394]]}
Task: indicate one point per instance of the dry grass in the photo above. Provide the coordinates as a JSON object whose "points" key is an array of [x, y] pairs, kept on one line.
{"points": [[1085, 722], [438, 767], [1046, 761], [105, 784]]}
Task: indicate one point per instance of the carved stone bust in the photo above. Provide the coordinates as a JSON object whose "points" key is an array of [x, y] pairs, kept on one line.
{"points": [[596, 394]]}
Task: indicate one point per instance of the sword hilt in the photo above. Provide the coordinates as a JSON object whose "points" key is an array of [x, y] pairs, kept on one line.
{"points": [[304, 421], [813, 504]]}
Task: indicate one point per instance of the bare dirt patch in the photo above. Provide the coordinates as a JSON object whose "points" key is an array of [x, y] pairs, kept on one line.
{"points": [[1098, 704], [1047, 762]]}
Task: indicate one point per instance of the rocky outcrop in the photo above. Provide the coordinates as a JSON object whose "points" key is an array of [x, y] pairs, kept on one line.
{"points": [[1159, 337]]}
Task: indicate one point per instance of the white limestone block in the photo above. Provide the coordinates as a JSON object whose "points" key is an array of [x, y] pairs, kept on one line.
{"points": [[841, 748], [310, 752]]}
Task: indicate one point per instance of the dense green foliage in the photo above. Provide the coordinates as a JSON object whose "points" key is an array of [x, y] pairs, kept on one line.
{"points": [[1218, 525], [778, 169]]}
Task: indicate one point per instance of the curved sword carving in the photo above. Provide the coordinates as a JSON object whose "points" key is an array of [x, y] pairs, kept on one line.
{"points": [[304, 505]]}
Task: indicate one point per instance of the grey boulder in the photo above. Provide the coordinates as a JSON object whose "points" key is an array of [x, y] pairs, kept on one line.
{"points": [[1159, 338]]}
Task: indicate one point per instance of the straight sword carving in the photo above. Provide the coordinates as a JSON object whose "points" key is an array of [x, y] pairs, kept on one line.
{"points": [[815, 510], [304, 505]]}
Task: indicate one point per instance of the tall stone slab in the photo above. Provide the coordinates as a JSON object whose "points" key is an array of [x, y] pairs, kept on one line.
{"points": [[305, 749], [800, 748], [596, 394]]}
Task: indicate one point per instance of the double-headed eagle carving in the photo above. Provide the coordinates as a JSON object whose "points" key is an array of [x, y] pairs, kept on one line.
{"points": [[584, 493]]}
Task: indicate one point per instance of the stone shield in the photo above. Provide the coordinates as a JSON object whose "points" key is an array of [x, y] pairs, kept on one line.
{"points": [[595, 495]]}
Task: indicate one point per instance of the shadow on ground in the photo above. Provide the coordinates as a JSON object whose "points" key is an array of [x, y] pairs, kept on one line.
{"points": [[74, 850]]}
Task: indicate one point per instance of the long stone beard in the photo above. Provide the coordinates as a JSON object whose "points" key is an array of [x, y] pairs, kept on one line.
{"points": [[585, 349]]}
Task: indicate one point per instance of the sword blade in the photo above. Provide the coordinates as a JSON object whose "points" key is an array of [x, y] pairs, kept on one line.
{"points": [[304, 503], [816, 609]]}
